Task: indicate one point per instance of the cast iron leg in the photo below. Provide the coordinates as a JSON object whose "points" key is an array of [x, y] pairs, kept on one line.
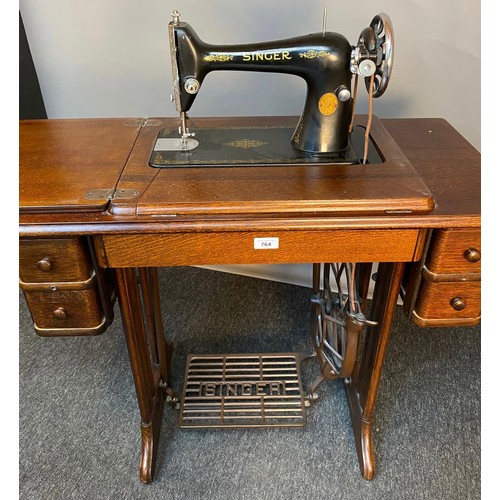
{"points": [[362, 386], [138, 296]]}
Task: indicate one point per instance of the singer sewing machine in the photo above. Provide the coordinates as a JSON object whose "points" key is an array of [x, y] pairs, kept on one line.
{"points": [[326, 134], [326, 61], [345, 196]]}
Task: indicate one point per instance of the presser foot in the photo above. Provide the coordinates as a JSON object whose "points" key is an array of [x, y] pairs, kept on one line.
{"points": [[184, 143]]}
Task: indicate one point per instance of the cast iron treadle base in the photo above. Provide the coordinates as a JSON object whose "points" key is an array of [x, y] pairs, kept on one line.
{"points": [[242, 390]]}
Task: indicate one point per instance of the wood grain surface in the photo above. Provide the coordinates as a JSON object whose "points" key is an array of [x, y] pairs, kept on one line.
{"points": [[182, 249], [60, 161], [447, 254], [449, 165], [435, 302], [75, 309], [390, 187], [54, 259]]}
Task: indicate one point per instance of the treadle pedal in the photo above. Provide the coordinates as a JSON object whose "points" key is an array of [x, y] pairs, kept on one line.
{"points": [[242, 390]]}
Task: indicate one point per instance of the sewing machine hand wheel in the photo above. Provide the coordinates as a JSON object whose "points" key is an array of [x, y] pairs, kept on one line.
{"points": [[379, 39]]}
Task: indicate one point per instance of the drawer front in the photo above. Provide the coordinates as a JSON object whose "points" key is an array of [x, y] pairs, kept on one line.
{"points": [[442, 304], [54, 260], [184, 249], [455, 251], [65, 310]]}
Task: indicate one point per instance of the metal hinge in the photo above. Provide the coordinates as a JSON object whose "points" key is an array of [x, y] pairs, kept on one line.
{"points": [[110, 194]]}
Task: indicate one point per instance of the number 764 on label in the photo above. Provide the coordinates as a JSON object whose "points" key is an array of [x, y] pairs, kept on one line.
{"points": [[266, 243]]}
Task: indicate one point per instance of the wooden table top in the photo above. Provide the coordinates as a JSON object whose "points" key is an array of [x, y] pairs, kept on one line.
{"points": [[448, 164], [393, 186], [65, 165], [61, 161]]}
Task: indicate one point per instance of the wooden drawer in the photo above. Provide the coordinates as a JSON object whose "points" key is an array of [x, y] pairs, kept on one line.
{"points": [[448, 304], [455, 251], [66, 312], [249, 247], [451, 271], [65, 292], [54, 260]]}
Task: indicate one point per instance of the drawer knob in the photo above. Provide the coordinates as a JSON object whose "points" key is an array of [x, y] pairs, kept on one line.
{"points": [[59, 313], [472, 254], [45, 264], [458, 303]]}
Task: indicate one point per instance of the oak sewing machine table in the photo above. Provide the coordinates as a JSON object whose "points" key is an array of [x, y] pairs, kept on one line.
{"points": [[96, 221]]}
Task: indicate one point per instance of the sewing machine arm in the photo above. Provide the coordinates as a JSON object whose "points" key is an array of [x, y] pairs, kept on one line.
{"points": [[322, 60]]}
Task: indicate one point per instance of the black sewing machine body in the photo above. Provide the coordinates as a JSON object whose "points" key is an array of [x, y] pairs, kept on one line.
{"points": [[325, 60], [322, 60]]}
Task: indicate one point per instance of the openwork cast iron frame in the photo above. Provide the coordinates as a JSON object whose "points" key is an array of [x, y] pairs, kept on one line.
{"points": [[338, 319]]}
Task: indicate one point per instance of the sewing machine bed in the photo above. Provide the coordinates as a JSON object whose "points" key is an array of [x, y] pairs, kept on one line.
{"points": [[253, 146], [247, 182]]}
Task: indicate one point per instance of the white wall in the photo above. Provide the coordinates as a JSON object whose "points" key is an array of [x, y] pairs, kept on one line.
{"points": [[102, 58], [111, 58]]}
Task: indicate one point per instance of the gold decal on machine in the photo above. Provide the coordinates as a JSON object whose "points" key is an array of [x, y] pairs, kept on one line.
{"points": [[245, 143], [218, 58], [328, 104], [313, 54]]}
